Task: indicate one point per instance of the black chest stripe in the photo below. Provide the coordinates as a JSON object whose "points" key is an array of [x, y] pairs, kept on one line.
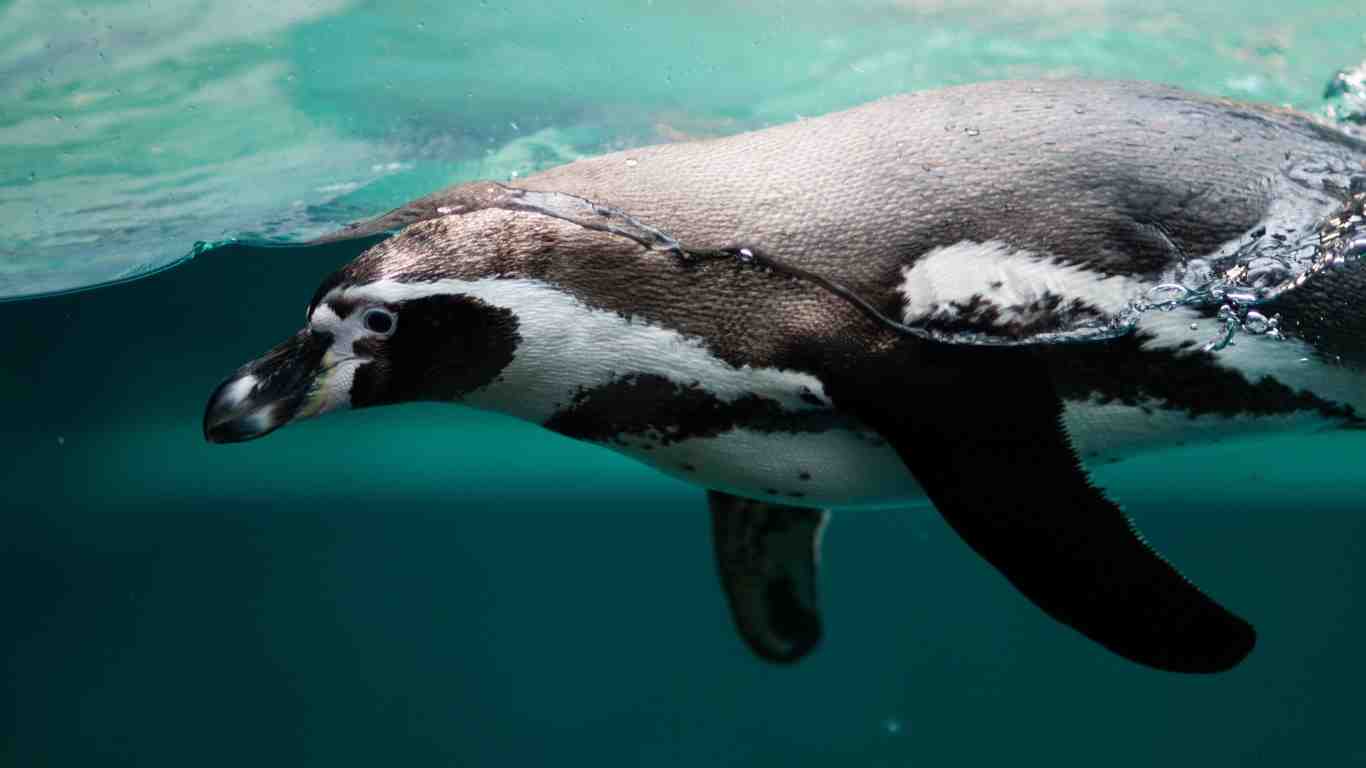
{"points": [[658, 411]]}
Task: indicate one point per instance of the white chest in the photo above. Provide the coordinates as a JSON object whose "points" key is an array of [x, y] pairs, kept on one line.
{"points": [[835, 468]]}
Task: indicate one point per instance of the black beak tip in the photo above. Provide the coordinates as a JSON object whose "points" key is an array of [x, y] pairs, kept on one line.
{"points": [[222, 432], [265, 394], [228, 432], [218, 417]]}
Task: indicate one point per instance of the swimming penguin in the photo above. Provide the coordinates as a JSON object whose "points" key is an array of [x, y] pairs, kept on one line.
{"points": [[966, 296]]}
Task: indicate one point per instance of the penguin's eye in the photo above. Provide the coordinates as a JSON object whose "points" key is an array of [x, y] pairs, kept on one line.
{"points": [[381, 321]]}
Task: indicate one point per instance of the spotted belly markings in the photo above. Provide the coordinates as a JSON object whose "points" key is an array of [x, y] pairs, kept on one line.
{"points": [[750, 445], [651, 410]]}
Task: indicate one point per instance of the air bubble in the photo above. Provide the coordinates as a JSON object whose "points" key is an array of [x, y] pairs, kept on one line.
{"points": [[1256, 322], [1167, 294], [1229, 320]]}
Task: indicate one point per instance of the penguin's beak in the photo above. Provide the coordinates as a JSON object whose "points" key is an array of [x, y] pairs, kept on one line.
{"points": [[268, 392]]}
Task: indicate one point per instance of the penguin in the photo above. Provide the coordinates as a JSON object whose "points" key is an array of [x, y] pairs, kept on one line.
{"points": [[966, 296]]}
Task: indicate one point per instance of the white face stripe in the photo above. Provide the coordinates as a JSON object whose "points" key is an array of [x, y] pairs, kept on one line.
{"points": [[345, 332], [1005, 277], [332, 388], [567, 346], [323, 316]]}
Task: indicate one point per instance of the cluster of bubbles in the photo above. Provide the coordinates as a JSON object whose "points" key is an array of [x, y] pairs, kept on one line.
{"points": [[1237, 313], [1239, 291], [1251, 322]]}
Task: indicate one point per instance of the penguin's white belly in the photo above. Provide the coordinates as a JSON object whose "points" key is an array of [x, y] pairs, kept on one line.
{"points": [[834, 468], [856, 468]]}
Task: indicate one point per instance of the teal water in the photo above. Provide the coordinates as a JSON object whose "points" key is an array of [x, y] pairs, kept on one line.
{"points": [[427, 585], [134, 128]]}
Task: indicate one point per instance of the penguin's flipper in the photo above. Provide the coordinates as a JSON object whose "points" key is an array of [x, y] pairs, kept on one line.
{"points": [[1004, 474], [768, 555]]}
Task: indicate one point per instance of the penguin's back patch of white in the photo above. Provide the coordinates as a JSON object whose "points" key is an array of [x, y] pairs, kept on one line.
{"points": [[1010, 280]]}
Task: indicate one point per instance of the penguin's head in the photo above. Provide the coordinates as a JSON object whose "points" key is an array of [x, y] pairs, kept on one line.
{"points": [[366, 342]]}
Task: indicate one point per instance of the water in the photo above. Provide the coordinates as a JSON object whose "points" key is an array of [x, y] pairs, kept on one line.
{"points": [[428, 585], [134, 129]]}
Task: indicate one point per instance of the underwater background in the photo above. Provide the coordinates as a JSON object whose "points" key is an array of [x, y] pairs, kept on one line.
{"points": [[430, 585]]}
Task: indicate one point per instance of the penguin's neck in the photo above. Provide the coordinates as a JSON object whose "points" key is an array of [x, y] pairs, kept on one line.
{"points": [[566, 349], [562, 346]]}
